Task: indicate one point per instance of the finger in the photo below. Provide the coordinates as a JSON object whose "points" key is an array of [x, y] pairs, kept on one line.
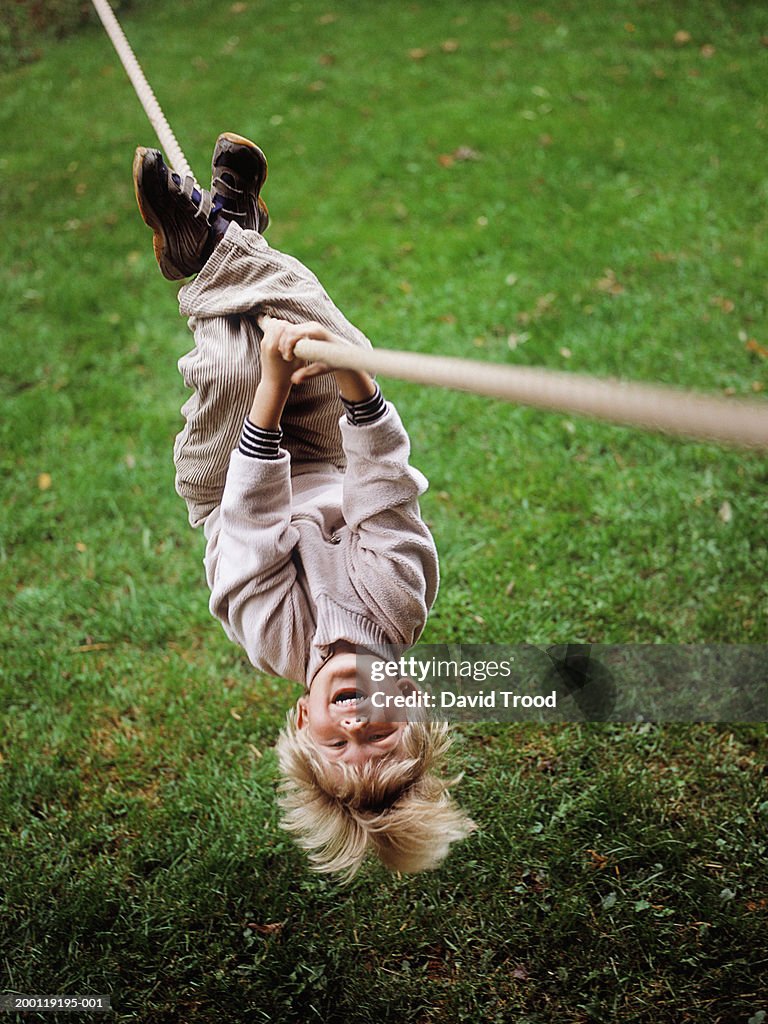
{"points": [[307, 372], [311, 329]]}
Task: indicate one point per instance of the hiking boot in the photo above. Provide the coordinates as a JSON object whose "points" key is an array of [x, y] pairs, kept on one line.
{"points": [[179, 212], [238, 173]]}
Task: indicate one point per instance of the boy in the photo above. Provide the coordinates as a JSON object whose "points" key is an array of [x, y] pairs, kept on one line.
{"points": [[315, 546]]}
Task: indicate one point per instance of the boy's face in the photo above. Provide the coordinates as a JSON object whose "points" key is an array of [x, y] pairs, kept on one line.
{"points": [[340, 718]]}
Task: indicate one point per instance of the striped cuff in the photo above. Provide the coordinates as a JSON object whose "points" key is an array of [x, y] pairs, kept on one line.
{"points": [[257, 443], [367, 411]]}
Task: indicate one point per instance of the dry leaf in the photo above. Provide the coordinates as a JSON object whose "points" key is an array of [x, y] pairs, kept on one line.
{"points": [[418, 53], [81, 547], [598, 860], [462, 153], [722, 303], [266, 929], [515, 339], [725, 512], [44, 481], [327, 19], [707, 51], [757, 348], [682, 37], [608, 283], [445, 160], [449, 46]]}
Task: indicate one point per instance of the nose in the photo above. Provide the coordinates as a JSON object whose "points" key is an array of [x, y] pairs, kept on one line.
{"points": [[354, 723]]}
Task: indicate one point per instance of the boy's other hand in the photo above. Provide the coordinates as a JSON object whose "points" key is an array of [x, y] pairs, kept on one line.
{"points": [[354, 385]]}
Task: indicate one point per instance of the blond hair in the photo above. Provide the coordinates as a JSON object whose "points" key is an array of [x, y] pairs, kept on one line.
{"points": [[394, 806]]}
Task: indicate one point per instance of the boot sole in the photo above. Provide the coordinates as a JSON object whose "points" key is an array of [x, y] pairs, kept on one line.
{"points": [[160, 240]]}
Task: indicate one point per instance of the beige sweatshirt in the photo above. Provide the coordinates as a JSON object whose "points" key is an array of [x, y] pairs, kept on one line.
{"points": [[296, 563]]}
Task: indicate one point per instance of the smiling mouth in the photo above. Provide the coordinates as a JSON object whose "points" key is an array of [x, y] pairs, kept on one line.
{"points": [[349, 696]]}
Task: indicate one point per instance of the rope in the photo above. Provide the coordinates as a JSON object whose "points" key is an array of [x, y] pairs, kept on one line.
{"points": [[708, 418], [664, 409], [152, 109]]}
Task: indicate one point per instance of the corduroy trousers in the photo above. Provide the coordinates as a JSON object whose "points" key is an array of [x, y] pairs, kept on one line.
{"points": [[244, 278]]}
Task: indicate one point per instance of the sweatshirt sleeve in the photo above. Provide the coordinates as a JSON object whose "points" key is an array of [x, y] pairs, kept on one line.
{"points": [[250, 569], [392, 560]]}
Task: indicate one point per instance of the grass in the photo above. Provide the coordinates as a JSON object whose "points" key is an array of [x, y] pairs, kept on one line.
{"points": [[566, 186]]}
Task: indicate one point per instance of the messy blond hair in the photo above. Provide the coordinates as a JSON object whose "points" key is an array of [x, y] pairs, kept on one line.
{"points": [[394, 806]]}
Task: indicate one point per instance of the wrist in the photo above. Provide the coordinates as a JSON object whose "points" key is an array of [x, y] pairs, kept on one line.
{"points": [[355, 385], [268, 403]]}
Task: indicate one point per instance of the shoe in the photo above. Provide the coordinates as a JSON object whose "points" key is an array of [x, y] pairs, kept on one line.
{"points": [[238, 173], [178, 211]]}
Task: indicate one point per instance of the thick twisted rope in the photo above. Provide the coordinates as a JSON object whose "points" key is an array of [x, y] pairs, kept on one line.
{"points": [[708, 418], [173, 151], [663, 409]]}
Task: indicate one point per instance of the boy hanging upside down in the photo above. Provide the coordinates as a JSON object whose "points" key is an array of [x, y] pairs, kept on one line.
{"points": [[316, 549]]}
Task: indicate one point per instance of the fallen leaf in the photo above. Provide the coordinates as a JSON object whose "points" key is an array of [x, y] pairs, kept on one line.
{"points": [[726, 305], [81, 547], [725, 512], [266, 929], [515, 339], [44, 481], [445, 160], [418, 53], [707, 51], [449, 46], [598, 860], [237, 717], [327, 19], [465, 153], [238, 8], [317, 86], [682, 37], [757, 348], [608, 283], [520, 973], [565, 352]]}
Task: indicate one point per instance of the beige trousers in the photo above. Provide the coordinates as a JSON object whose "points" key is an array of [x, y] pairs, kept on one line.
{"points": [[244, 278]]}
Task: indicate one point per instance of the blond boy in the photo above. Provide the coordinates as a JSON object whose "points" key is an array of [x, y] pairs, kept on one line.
{"points": [[316, 549]]}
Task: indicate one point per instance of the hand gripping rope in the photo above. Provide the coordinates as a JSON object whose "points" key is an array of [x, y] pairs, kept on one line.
{"points": [[703, 417]]}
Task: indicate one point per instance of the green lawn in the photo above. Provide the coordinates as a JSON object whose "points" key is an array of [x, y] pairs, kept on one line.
{"points": [[578, 185]]}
